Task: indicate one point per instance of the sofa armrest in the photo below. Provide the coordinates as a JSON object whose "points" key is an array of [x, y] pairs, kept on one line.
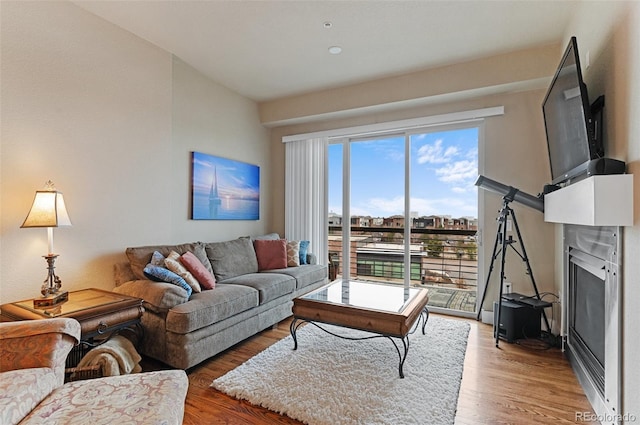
{"points": [[122, 273], [158, 297], [38, 343]]}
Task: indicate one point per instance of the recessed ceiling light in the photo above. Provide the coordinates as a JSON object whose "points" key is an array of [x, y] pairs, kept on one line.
{"points": [[335, 50], [327, 24]]}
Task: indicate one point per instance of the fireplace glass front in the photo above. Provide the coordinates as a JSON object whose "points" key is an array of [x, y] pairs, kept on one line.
{"points": [[591, 312], [586, 318]]}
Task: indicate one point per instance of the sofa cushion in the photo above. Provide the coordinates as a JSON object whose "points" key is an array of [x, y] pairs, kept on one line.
{"points": [[157, 296], [304, 275], [311, 258], [267, 237], [271, 254], [208, 307], [22, 390], [122, 273], [144, 398], [140, 256], [269, 285], [232, 258]]}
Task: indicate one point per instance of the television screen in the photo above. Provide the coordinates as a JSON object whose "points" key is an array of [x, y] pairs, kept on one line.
{"points": [[567, 119]]}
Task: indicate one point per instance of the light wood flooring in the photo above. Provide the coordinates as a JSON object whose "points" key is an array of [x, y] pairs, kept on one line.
{"points": [[512, 384]]}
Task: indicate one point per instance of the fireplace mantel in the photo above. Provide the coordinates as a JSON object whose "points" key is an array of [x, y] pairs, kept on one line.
{"points": [[605, 200]]}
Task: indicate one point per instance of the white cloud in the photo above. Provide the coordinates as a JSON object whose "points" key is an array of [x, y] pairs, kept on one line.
{"points": [[386, 207], [458, 172], [391, 149], [472, 154], [459, 167], [436, 154]]}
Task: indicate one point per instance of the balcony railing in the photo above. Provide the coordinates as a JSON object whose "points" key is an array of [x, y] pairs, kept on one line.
{"points": [[444, 260]]}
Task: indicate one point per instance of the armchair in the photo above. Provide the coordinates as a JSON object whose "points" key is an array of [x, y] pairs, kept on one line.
{"points": [[32, 389], [32, 358]]}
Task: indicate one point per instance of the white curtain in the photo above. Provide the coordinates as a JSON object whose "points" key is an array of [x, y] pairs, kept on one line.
{"points": [[305, 194]]}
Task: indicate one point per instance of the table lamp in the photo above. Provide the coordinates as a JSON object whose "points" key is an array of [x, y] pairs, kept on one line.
{"points": [[48, 210]]}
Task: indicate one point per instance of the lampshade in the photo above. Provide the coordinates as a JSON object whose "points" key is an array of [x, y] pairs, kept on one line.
{"points": [[48, 210]]}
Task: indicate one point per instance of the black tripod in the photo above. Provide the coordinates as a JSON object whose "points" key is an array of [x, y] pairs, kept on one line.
{"points": [[505, 242]]}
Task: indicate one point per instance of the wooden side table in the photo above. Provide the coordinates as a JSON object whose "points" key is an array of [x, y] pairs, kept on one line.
{"points": [[101, 314]]}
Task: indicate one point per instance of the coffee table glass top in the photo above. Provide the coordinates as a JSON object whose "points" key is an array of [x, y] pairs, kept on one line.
{"points": [[369, 295], [78, 301]]}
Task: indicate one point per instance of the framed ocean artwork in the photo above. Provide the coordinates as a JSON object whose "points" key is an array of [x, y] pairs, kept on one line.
{"points": [[224, 189]]}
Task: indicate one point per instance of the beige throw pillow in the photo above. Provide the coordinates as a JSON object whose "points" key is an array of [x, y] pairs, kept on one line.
{"points": [[172, 262], [293, 253]]}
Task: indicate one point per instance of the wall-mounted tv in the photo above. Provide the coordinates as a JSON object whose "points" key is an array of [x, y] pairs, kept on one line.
{"points": [[568, 121]]}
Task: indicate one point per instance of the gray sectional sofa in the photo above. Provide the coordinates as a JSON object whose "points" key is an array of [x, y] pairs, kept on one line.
{"points": [[182, 330]]}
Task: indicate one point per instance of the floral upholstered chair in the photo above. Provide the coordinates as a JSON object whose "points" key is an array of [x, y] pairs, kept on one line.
{"points": [[32, 363], [32, 389]]}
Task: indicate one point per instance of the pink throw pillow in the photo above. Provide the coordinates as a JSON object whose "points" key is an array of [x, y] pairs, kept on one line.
{"points": [[198, 270], [271, 254]]}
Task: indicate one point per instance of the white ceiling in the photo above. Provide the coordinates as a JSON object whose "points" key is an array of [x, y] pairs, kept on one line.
{"points": [[267, 49]]}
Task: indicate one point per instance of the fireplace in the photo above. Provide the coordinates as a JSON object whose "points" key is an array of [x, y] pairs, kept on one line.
{"points": [[591, 313]]}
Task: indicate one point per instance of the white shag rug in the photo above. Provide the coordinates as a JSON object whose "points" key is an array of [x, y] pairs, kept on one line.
{"points": [[331, 381]]}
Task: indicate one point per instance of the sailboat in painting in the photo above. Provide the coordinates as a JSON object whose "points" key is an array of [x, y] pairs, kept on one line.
{"points": [[214, 198]]}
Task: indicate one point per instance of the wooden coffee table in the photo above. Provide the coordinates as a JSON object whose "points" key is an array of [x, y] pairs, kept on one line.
{"points": [[387, 310]]}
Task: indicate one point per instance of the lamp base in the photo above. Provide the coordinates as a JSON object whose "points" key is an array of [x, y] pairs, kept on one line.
{"points": [[52, 283], [51, 300]]}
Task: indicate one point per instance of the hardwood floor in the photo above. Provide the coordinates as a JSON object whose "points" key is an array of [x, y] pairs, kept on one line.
{"points": [[512, 384]]}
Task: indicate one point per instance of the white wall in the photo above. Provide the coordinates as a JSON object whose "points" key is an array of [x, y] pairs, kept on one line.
{"points": [[211, 119], [610, 33], [111, 119], [629, 87]]}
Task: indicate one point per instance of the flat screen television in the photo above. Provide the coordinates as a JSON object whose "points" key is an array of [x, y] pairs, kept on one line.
{"points": [[568, 121]]}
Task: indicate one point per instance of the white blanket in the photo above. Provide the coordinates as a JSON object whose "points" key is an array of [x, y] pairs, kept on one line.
{"points": [[117, 356]]}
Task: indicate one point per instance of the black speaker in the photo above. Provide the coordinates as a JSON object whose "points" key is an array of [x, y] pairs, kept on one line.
{"points": [[605, 166], [517, 321]]}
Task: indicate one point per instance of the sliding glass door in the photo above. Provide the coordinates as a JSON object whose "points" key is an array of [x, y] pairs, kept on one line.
{"points": [[402, 209], [377, 172], [444, 212]]}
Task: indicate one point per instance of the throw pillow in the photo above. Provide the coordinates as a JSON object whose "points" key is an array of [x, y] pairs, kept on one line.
{"points": [[271, 254], [293, 253], [160, 274], [157, 259], [140, 256], [198, 270], [304, 247], [201, 254], [172, 262]]}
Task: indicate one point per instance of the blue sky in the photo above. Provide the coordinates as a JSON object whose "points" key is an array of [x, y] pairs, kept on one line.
{"points": [[444, 167]]}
